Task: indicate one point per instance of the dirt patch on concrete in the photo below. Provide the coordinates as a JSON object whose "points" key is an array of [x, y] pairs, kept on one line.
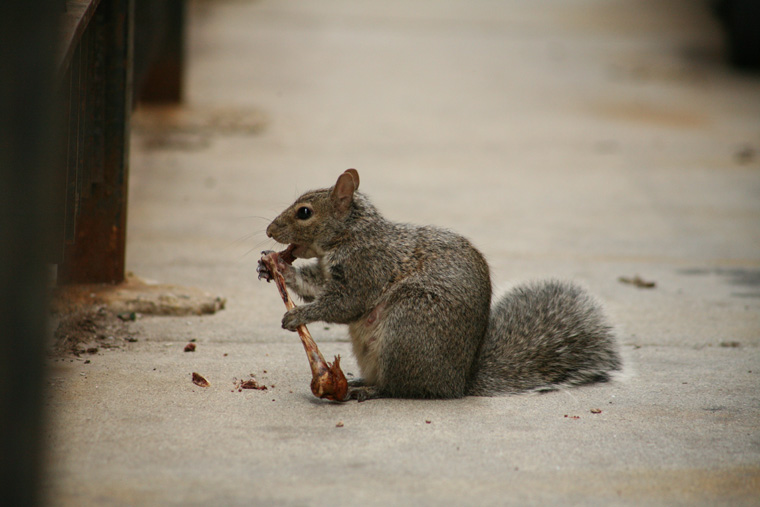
{"points": [[88, 330], [652, 114], [93, 316], [138, 296], [192, 128]]}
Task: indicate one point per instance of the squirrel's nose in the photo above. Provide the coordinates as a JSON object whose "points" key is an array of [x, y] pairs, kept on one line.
{"points": [[269, 231]]}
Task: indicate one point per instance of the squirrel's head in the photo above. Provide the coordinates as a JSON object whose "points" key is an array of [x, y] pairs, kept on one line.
{"points": [[317, 218]]}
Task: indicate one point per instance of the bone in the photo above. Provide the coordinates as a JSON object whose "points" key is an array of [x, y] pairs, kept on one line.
{"points": [[327, 380]]}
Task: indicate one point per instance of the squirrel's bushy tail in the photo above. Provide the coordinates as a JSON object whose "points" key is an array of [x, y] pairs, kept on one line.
{"points": [[544, 336]]}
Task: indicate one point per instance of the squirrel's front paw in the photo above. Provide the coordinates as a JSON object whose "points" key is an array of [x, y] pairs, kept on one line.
{"points": [[292, 319], [281, 265], [262, 269]]}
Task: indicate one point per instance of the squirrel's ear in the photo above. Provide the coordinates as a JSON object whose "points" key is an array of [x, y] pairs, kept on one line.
{"points": [[343, 191], [355, 175]]}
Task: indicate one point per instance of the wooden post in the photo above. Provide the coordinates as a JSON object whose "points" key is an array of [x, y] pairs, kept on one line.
{"points": [[162, 66], [97, 253]]}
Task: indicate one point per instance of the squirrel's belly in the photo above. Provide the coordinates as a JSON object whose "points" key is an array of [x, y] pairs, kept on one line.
{"points": [[366, 338]]}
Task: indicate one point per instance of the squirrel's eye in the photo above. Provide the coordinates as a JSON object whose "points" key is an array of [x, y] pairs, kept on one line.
{"points": [[303, 213]]}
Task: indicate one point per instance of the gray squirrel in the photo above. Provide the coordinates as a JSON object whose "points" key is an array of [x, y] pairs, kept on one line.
{"points": [[417, 301]]}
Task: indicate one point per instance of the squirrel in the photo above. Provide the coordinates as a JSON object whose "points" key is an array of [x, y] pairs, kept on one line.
{"points": [[417, 302]]}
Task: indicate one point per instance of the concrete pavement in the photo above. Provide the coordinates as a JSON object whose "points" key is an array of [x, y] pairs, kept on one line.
{"points": [[589, 140]]}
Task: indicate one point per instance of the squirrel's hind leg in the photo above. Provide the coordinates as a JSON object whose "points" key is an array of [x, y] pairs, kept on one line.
{"points": [[428, 345]]}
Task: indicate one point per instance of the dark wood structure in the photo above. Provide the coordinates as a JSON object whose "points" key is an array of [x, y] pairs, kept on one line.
{"points": [[114, 51]]}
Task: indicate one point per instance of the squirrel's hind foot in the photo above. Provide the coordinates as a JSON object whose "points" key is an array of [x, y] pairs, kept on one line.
{"points": [[360, 392]]}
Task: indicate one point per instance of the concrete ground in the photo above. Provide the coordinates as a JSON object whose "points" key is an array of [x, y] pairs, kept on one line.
{"points": [[584, 139]]}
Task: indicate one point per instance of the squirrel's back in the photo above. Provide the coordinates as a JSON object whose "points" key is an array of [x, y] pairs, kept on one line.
{"points": [[543, 336]]}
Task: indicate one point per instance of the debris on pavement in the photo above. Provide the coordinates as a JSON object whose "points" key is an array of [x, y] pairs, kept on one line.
{"points": [[250, 383], [199, 380], [637, 281]]}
